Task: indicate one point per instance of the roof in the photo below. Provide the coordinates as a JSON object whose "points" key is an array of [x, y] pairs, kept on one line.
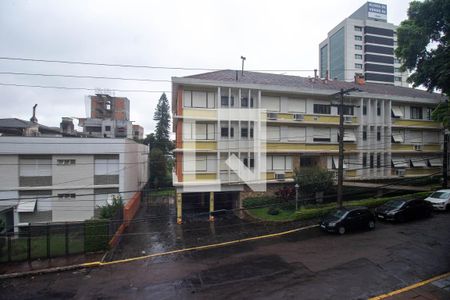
{"points": [[311, 83], [15, 123]]}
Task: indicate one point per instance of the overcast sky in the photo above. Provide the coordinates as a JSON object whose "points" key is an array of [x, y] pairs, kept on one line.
{"points": [[274, 34]]}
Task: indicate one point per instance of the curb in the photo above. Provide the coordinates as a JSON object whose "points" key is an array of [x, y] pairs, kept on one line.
{"points": [[96, 264]]}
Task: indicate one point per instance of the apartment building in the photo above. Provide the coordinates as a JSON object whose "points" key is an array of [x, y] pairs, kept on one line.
{"points": [[362, 44], [388, 133], [59, 179]]}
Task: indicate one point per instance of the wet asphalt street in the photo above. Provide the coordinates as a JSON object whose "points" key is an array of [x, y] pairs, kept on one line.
{"points": [[304, 265]]}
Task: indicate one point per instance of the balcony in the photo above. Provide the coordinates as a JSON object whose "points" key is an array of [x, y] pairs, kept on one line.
{"points": [[415, 123]]}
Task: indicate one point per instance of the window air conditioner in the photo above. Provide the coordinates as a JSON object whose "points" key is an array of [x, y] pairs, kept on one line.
{"points": [[272, 116], [299, 117], [400, 172], [280, 176], [348, 119]]}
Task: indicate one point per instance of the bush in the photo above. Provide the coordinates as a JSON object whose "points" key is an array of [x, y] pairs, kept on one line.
{"points": [[273, 211], [286, 193], [312, 180], [96, 236], [259, 201], [108, 211]]}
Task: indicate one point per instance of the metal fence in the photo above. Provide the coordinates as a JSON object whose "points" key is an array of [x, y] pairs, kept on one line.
{"points": [[57, 239]]}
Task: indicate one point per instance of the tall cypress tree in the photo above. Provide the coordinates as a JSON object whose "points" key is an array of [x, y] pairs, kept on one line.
{"points": [[162, 118]]}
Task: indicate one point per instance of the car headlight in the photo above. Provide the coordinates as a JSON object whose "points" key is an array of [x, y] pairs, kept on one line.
{"points": [[332, 224]]}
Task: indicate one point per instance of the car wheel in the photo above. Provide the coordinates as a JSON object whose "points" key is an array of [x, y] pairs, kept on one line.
{"points": [[341, 230], [371, 224]]}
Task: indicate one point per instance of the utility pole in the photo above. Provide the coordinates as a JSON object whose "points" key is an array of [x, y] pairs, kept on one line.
{"points": [[340, 106], [445, 152]]}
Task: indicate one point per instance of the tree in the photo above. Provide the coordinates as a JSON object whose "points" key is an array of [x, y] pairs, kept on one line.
{"points": [[423, 44], [441, 114], [159, 176], [312, 180], [162, 131]]}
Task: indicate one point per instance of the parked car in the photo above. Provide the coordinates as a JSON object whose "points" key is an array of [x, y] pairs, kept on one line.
{"points": [[440, 200], [403, 210], [346, 219]]}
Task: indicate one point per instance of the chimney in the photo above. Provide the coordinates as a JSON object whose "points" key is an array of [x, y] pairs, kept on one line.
{"points": [[315, 73], [33, 118], [66, 125]]}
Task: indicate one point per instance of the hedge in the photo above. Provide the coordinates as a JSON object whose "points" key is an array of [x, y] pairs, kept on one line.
{"points": [[96, 235]]}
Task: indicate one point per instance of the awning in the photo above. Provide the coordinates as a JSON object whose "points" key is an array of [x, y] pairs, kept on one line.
{"points": [[398, 138], [418, 162], [26, 205], [399, 163], [435, 162], [349, 136], [336, 162], [397, 112]]}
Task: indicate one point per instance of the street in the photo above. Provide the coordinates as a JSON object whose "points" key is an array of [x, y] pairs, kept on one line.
{"points": [[307, 265]]}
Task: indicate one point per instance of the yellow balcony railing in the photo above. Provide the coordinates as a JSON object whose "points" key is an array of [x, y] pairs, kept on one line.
{"points": [[415, 123]]}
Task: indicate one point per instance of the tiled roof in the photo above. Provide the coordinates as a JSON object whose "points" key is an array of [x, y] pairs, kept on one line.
{"points": [[309, 83], [19, 123]]}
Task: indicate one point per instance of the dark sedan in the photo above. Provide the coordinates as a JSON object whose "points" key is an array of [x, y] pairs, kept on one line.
{"points": [[345, 219], [404, 210]]}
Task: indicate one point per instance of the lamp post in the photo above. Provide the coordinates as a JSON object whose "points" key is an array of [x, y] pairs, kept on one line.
{"points": [[296, 196]]}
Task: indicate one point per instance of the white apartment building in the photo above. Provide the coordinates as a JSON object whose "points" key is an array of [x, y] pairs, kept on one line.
{"points": [[388, 131], [57, 179], [363, 43]]}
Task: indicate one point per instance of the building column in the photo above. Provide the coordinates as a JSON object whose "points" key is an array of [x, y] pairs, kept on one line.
{"points": [[179, 208], [211, 206]]}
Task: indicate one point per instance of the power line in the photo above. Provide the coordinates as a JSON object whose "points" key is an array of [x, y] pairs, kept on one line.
{"points": [[78, 88]]}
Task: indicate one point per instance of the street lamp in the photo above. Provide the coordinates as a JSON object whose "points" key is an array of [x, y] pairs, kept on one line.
{"points": [[296, 196]]}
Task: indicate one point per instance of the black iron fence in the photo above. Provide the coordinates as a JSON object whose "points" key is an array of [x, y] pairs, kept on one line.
{"points": [[50, 240]]}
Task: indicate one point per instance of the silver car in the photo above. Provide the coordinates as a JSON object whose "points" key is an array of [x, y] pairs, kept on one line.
{"points": [[440, 199]]}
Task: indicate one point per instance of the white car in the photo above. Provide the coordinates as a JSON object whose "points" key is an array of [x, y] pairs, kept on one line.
{"points": [[440, 199]]}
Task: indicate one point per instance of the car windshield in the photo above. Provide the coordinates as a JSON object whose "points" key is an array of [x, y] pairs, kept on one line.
{"points": [[339, 213], [395, 204], [440, 195]]}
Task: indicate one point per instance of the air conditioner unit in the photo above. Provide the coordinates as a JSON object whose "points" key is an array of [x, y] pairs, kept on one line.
{"points": [[272, 116], [348, 119], [299, 117], [418, 147], [280, 176], [400, 172]]}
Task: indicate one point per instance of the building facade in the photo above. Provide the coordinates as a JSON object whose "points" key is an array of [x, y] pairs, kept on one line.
{"points": [[362, 44], [46, 179], [388, 132]]}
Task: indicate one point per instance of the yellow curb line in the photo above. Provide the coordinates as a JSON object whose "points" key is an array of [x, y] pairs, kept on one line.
{"points": [[411, 287], [210, 246]]}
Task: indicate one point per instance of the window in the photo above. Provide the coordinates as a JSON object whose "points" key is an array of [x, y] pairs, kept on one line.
{"points": [[358, 38], [358, 66], [396, 61], [199, 131], [364, 135], [378, 109], [199, 99], [35, 167], [378, 160], [371, 161], [364, 160], [224, 101], [65, 162], [397, 78], [278, 163], [244, 102], [416, 112], [397, 70], [273, 133], [322, 109], [428, 112], [106, 166], [358, 47], [358, 28], [364, 109], [348, 110], [378, 136], [251, 133], [224, 132], [270, 103], [244, 132], [107, 128], [252, 162], [358, 56], [322, 135], [68, 195]]}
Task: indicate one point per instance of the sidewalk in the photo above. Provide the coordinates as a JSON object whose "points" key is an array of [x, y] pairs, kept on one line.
{"points": [[434, 290], [42, 264]]}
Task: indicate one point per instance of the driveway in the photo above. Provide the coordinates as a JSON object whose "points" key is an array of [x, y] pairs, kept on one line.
{"points": [[307, 265]]}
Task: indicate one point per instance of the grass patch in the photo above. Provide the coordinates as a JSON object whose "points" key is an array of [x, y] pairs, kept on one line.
{"points": [[163, 192], [316, 211]]}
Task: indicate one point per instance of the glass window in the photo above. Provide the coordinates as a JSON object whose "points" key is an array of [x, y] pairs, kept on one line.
{"points": [[323, 61], [371, 161], [378, 160], [428, 112], [348, 110], [358, 47], [397, 78], [364, 109], [224, 101], [397, 70], [378, 136], [244, 132], [358, 56], [322, 109], [358, 28], [358, 66], [224, 132], [378, 109], [364, 135], [358, 38], [364, 160], [336, 52], [416, 112]]}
